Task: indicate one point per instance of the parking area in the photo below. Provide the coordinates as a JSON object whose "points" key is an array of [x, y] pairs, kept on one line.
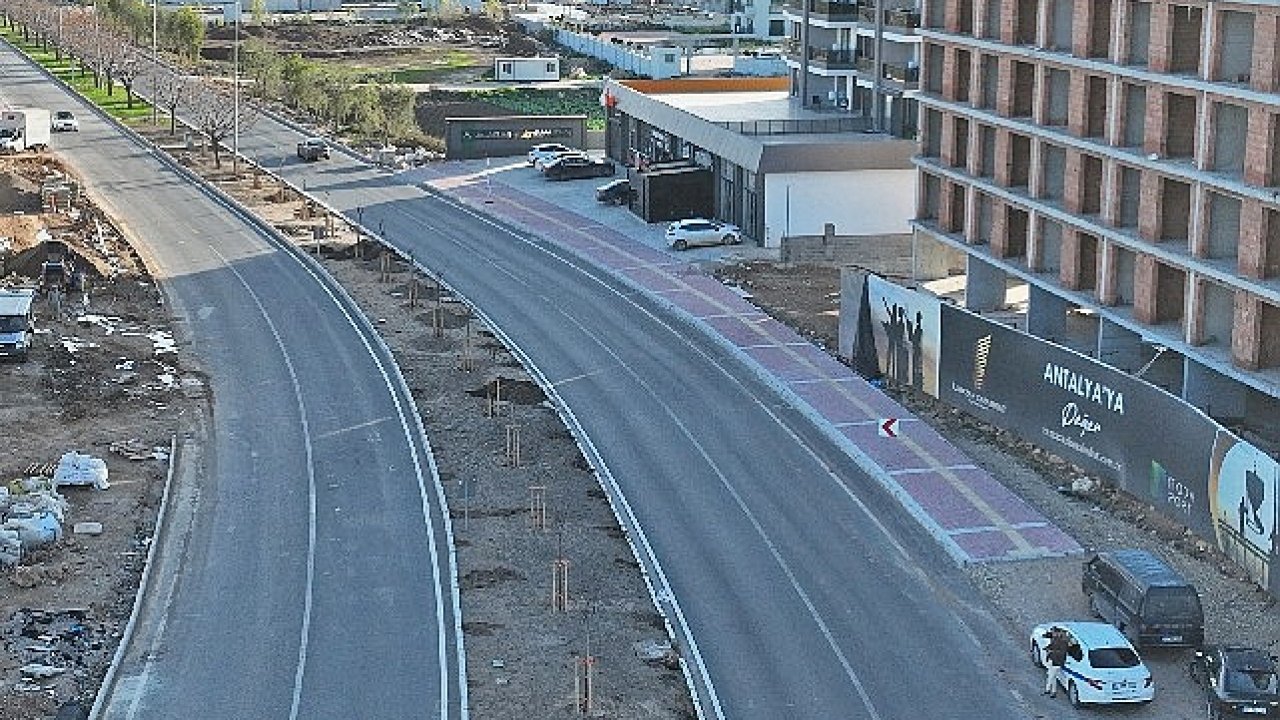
{"points": [[579, 199]]}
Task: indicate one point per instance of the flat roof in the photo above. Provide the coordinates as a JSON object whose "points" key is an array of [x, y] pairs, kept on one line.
{"points": [[741, 106]]}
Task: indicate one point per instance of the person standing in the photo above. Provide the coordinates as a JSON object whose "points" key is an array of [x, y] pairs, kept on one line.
{"points": [[1055, 658]]}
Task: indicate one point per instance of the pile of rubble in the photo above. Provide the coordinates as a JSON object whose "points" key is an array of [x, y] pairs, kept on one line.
{"points": [[33, 511]]}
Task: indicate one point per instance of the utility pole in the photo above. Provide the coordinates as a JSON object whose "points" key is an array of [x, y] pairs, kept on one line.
{"points": [[155, 61], [235, 130]]}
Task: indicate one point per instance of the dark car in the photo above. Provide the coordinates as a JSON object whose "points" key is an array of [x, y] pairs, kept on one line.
{"points": [[616, 192], [571, 167], [1145, 598], [1239, 682], [313, 148]]}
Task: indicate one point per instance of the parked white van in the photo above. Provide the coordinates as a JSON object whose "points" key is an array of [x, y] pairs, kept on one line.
{"points": [[17, 322]]}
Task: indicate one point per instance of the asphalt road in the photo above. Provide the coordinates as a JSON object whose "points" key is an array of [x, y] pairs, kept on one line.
{"points": [[306, 570], [809, 593]]}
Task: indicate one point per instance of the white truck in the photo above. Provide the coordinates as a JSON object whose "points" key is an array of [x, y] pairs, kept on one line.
{"points": [[17, 322], [25, 129]]}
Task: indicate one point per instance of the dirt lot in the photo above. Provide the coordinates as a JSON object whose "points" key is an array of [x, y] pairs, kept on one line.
{"points": [[97, 375]]}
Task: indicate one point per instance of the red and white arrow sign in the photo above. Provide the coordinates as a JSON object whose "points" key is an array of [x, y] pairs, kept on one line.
{"points": [[889, 427]]}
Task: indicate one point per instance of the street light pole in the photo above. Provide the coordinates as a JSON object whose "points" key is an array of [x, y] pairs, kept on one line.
{"points": [[155, 61], [235, 81]]}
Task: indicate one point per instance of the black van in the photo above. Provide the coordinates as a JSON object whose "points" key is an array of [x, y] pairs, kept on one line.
{"points": [[1145, 598]]}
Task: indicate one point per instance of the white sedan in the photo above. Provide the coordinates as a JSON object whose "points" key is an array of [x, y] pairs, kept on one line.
{"points": [[683, 234], [65, 121], [1102, 667], [542, 151]]}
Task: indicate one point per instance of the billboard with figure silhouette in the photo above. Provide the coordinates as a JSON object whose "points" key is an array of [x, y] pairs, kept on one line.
{"points": [[905, 326]]}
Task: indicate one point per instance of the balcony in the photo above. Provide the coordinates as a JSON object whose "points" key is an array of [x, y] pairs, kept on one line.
{"points": [[908, 75], [832, 59], [829, 11], [895, 20]]}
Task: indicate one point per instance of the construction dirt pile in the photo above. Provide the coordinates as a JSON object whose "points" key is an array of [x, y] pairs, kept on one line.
{"points": [[87, 420]]}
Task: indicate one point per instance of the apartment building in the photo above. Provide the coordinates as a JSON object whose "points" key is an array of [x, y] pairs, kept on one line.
{"points": [[1110, 169], [834, 47]]}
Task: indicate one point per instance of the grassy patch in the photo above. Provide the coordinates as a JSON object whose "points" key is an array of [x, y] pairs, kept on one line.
{"points": [[534, 101], [421, 67], [116, 104]]}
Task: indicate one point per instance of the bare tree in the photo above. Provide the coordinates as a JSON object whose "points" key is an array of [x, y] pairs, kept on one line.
{"points": [[173, 91], [213, 114]]}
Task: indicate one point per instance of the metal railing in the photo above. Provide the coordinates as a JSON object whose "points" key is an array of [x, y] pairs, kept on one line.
{"points": [[841, 58], [798, 126]]}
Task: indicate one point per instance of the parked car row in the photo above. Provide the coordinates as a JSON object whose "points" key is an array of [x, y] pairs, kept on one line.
{"points": [[557, 161], [1145, 603]]}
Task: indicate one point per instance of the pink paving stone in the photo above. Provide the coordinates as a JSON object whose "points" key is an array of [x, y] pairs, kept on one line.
{"points": [[944, 502], [606, 256], [846, 401], [787, 363], [988, 545], [894, 454], [651, 278], [1052, 539], [1011, 507], [694, 304], [798, 362], [740, 329]]}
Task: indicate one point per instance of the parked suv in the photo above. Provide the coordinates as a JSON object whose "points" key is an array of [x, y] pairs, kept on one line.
{"points": [[1144, 598]]}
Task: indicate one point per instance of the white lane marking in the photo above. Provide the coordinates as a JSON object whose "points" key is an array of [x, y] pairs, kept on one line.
{"points": [[308, 451], [433, 551], [350, 428], [574, 378]]}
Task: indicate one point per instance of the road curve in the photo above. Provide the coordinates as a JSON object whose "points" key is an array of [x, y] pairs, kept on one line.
{"points": [[809, 591], [307, 569]]}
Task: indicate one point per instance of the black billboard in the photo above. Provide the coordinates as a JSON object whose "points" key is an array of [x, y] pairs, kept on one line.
{"points": [[1111, 424]]}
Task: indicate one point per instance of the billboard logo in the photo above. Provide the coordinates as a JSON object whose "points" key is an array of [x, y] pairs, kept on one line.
{"points": [[1074, 417], [1085, 387], [981, 352]]}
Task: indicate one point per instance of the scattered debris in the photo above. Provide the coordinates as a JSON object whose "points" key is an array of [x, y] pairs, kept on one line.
{"points": [[87, 528], [135, 449], [75, 469]]}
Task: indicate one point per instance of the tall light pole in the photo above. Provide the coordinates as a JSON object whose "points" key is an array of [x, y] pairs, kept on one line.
{"points": [[155, 61], [235, 93]]}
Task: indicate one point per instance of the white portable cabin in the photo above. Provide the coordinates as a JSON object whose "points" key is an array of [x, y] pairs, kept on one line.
{"points": [[525, 69]]}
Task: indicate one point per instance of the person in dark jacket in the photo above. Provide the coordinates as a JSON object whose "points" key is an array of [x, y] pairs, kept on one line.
{"points": [[1055, 658]]}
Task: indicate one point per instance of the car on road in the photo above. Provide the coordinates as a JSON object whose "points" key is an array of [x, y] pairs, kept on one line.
{"points": [[65, 121], [313, 148], [1238, 682], [573, 167], [546, 150], [691, 232], [1102, 667], [615, 192]]}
